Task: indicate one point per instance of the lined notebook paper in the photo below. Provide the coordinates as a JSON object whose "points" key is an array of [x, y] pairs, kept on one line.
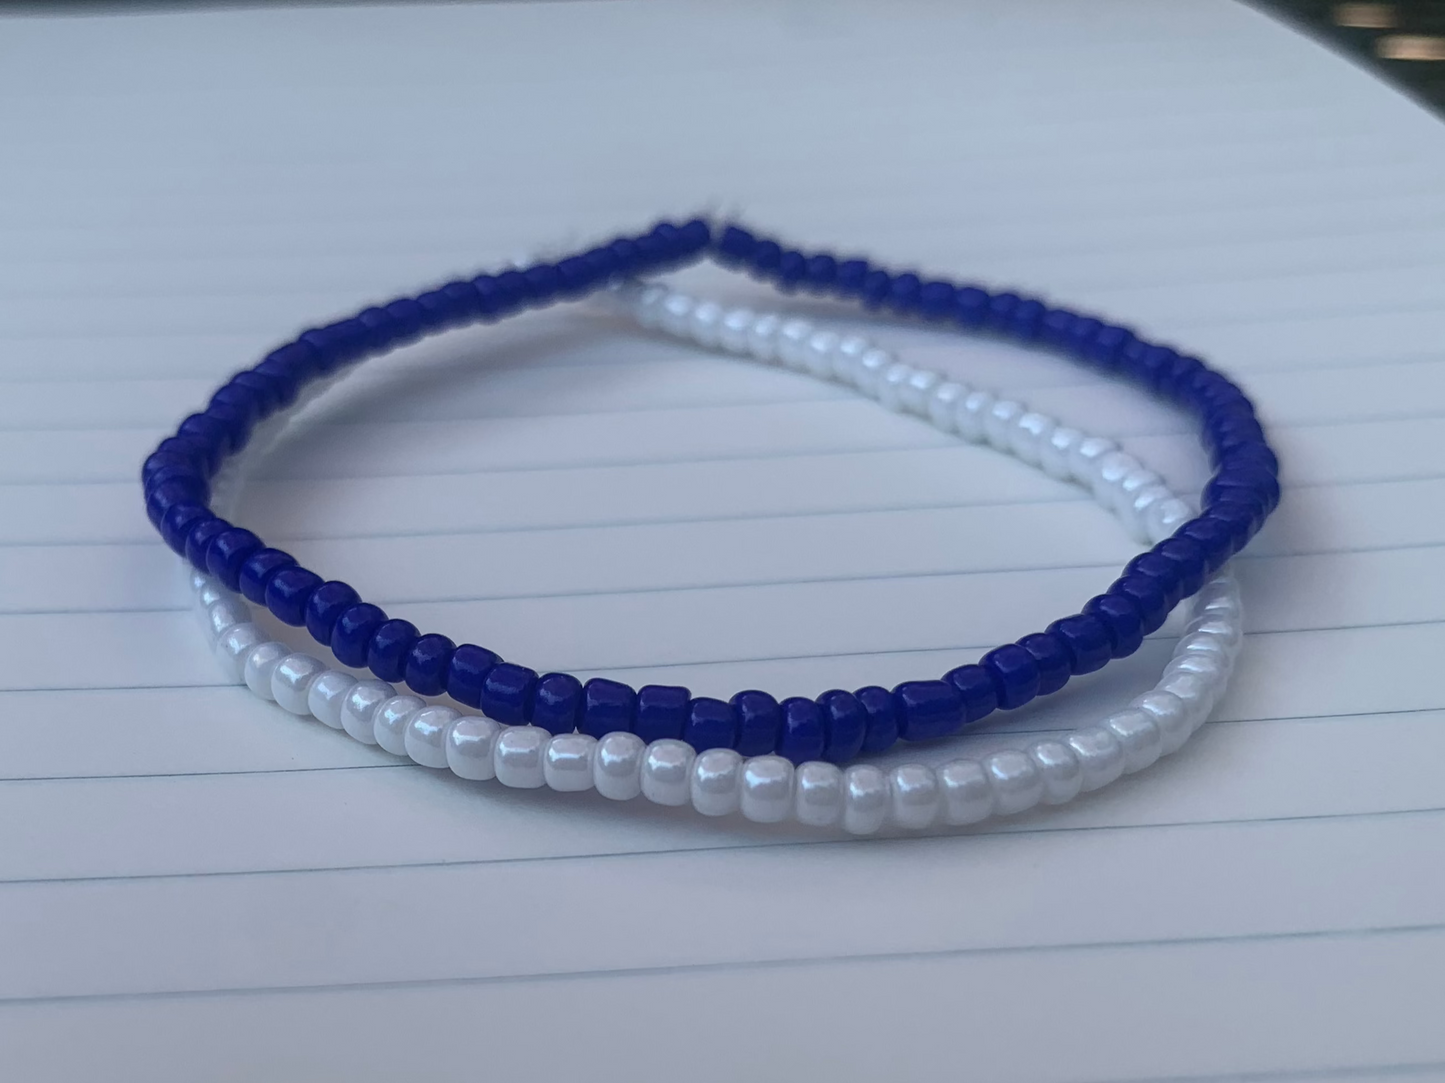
{"points": [[195, 886]]}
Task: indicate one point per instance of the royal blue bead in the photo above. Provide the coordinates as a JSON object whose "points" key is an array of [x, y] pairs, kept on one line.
{"points": [[1259, 455], [792, 268], [881, 718], [467, 669], [607, 707], [285, 382], [1015, 675], [545, 281], [851, 274], [1052, 659], [1000, 310], [507, 693], [209, 430], [203, 456], [1148, 598], [158, 461], [187, 474], [245, 399], [903, 293], [1188, 557], [268, 390], [802, 736], [845, 724], [1106, 347], [1163, 571], [235, 420], [976, 689], [710, 724], [428, 663], [1121, 621], [765, 259], [1081, 336], [492, 300], [927, 709], [178, 522], [287, 593], [1024, 321], [351, 636], [557, 702], [390, 644], [661, 711], [1241, 519], [694, 236], [1214, 538], [759, 719], [199, 539], [575, 277], [1056, 325], [821, 273], [936, 300], [877, 284], [257, 571], [1086, 640], [736, 246], [166, 494], [970, 307], [325, 606], [227, 551]]}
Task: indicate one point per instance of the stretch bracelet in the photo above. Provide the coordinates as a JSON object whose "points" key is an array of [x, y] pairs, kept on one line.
{"points": [[862, 799], [837, 725]]}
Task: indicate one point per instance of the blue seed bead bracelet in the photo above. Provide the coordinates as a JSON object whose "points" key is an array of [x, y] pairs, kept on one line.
{"points": [[836, 726]]}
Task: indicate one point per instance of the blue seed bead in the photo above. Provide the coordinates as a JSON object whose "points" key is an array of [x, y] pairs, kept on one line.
{"points": [[1081, 336], [851, 274], [207, 429], [438, 311], [161, 460], [802, 736], [428, 663], [845, 724], [876, 286], [975, 687], [1051, 657], [1213, 537], [710, 724], [1055, 327], [492, 299], [514, 291], [389, 646], [1259, 455], [1121, 621], [351, 637], [199, 539], [759, 719], [187, 474], [1106, 347], [260, 566], [661, 711], [766, 257], [936, 300], [606, 264], [545, 280], [1252, 479], [1241, 519], [507, 693], [203, 456], [792, 269], [736, 245], [1001, 309], [268, 390], [575, 277], [881, 715], [178, 523], [1015, 675], [226, 553], [970, 307], [557, 702], [245, 399], [287, 383], [1163, 571], [1024, 320], [467, 670], [1147, 597], [1177, 376], [821, 273], [694, 236], [167, 494], [904, 293], [325, 606], [607, 707], [407, 315], [1187, 555], [927, 709], [1086, 640]]}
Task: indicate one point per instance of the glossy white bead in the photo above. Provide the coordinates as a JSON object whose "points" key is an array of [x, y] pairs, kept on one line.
{"points": [[1015, 779], [847, 356], [867, 799], [234, 645], [647, 305], [998, 423], [1210, 646], [1166, 516], [517, 757], [223, 614], [1130, 486], [913, 396], [209, 594], [568, 762], [890, 386], [792, 342], [675, 313], [1136, 516], [667, 772], [1171, 714], [260, 663], [943, 403], [1054, 452], [968, 418], [1028, 435], [966, 795], [819, 352], [1139, 736], [1109, 473], [1101, 756], [617, 766], [1062, 774], [1199, 695], [291, 681], [705, 323], [389, 722], [471, 745], [763, 337], [1228, 632], [360, 707], [425, 740], [1085, 455], [327, 695], [195, 579], [915, 799], [715, 787], [732, 332], [766, 794], [870, 369], [818, 797]]}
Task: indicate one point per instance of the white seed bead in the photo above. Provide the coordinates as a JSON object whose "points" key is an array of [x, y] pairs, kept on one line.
{"points": [[1173, 716], [568, 762], [867, 798], [222, 614], [1130, 486], [913, 396], [792, 342], [1221, 628], [196, 579], [763, 337], [967, 796], [360, 708], [1139, 736], [1054, 452], [326, 696], [818, 353], [998, 424], [1085, 455], [705, 323], [208, 595], [890, 386], [667, 772], [943, 402], [1059, 768], [1164, 517], [1015, 779], [425, 740], [818, 801], [914, 793], [870, 369], [1028, 435], [471, 745], [968, 418], [1101, 756], [389, 722], [648, 305], [766, 795], [1109, 472], [675, 312], [291, 681], [1199, 695], [847, 356], [1210, 646], [517, 756], [259, 665], [1136, 517], [733, 330], [716, 784], [233, 647], [617, 766]]}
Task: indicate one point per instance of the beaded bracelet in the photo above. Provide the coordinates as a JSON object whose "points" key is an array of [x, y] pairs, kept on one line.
{"points": [[863, 799], [837, 725]]}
